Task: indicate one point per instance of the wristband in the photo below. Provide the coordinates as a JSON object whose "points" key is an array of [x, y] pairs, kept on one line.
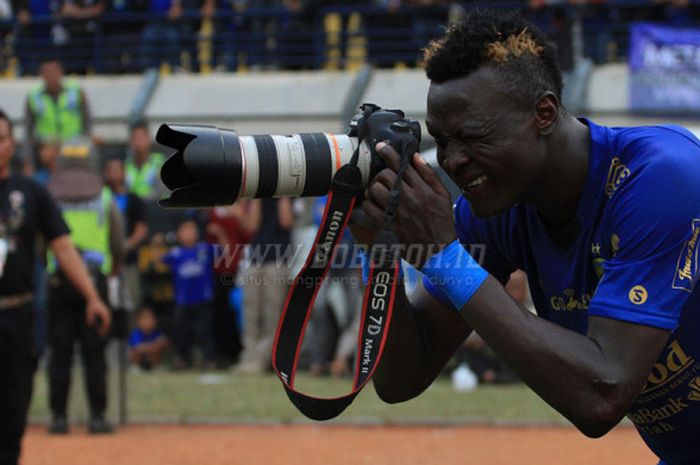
{"points": [[454, 273]]}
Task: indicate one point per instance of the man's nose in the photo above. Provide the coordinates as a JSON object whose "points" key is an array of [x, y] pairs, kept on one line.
{"points": [[454, 160]]}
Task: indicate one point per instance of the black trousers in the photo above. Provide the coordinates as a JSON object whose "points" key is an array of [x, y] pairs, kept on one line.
{"points": [[18, 359], [66, 327]]}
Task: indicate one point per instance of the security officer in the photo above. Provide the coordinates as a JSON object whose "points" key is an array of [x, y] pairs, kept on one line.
{"points": [[56, 109], [97, 231], [143, 166], [26, 211]]}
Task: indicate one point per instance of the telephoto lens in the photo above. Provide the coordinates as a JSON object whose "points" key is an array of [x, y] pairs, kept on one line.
{"points": [[213, 166]]}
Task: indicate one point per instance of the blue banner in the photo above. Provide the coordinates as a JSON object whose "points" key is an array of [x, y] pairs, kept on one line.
{"points": [[664, 65]]}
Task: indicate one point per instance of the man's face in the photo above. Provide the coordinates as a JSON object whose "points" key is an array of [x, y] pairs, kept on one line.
{"points": [[140, 142], [7, 144], [52, 74], [486, 142], [114, 173]]}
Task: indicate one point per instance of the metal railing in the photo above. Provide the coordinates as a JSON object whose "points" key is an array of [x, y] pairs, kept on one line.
{"points": [[333, 37]]}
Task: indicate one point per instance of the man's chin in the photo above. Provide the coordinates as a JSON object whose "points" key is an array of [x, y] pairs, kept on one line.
{"points": [[487, 210]]}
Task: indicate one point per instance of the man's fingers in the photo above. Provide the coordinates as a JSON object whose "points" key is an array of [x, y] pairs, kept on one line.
{"points": [[428, 174], [106, 323], [389, 155]]}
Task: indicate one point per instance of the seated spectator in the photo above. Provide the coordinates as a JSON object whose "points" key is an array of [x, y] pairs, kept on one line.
{"points": [[147, 343], [122, 27], [75, 33], [192, 267], [33, 34], [161, 37]]}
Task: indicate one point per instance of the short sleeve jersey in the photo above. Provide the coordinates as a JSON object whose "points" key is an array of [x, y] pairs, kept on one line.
{"points": [[192, 269], [631, 254], [26, 210]]}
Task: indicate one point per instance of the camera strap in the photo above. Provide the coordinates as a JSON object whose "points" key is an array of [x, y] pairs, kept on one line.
{"points": [[378, 302]]}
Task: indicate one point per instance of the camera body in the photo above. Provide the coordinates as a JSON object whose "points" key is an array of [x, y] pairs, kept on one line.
{"points": [[213, 166]]}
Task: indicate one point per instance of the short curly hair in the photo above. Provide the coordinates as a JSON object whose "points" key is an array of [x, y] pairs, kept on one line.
{"points": [[519, 51]]}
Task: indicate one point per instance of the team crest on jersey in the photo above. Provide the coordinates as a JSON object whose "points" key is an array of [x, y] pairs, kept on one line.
{"points": [[617, 173], [686, 274]]}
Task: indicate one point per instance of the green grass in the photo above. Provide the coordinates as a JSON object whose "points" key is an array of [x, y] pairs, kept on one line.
{"points": [[186, 397]]}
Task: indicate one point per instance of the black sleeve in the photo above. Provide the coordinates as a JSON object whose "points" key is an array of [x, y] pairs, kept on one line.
{"points": [[137, 209], [49, 218]]}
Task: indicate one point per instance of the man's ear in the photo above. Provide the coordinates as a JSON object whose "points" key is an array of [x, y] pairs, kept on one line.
{"points": [[547, 110]]}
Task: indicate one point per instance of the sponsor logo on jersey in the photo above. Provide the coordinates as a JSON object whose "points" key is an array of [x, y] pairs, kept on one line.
{"points": [[569, 301], [638, 294], [617, 173], [670, 366], [686, 273]]}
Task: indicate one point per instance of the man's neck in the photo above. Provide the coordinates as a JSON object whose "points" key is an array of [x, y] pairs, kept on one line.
{"points": [[561, 186], [118, 189], [140, 159]]}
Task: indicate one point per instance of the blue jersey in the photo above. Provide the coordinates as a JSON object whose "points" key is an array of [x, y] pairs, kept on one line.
{"points": [[138, 337], [193, 273], [631, 254]]}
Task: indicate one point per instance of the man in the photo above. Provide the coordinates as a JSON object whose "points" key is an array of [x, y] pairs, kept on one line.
{"points": [[133, 212], [604, 221], [26, 210], [98, 233], [56, 109], [143, 166]]}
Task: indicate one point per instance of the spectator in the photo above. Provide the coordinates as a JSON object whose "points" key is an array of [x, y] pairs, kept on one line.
{"points": [[28, 211], [97, 231], [34, 26], [143, 165], [161, 37], [76, 31], [56, 109], [147, 343], [266, 283], [49, 152], [229, 229], [122, 28], [134, 214], [157, 284], [191, 265]]}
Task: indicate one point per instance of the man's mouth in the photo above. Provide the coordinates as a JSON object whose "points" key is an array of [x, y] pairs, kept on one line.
{"points": [[474, 185]]}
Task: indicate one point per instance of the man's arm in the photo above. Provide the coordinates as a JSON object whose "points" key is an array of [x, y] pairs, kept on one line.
{"points": [[117, 241], [423, 336], [87, 117], [591, 379], [27, 149], [72, 265]]}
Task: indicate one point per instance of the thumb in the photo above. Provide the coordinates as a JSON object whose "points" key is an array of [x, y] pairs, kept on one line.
{"points": [[429, 174]]}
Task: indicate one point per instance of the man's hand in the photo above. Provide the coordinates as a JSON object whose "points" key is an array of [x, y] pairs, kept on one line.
{"points": [[424, 218], [96, 312]]}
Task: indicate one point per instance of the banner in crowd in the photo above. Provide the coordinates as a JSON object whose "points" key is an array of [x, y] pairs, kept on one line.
{"points": [[664, 67]]}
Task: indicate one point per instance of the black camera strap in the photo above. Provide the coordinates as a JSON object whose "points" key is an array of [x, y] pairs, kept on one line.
{"points": [[378, 302]]}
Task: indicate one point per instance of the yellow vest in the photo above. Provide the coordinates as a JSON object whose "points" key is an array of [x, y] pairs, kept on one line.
{"points": [[57, 119], [89, 228]]}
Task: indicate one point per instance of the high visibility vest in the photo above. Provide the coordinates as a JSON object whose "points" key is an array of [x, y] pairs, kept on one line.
{"points": [[57, 119], [141, 181], [88, 221]]}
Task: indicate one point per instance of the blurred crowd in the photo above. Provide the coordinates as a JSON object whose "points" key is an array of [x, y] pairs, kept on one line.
{"points": [[197, 289], [126, 36]]}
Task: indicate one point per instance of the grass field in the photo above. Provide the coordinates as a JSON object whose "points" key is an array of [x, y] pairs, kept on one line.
{"points": [[195, 397]]}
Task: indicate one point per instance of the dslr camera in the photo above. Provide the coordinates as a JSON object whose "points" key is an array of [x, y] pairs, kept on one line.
{"points": [[213, 166]]}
